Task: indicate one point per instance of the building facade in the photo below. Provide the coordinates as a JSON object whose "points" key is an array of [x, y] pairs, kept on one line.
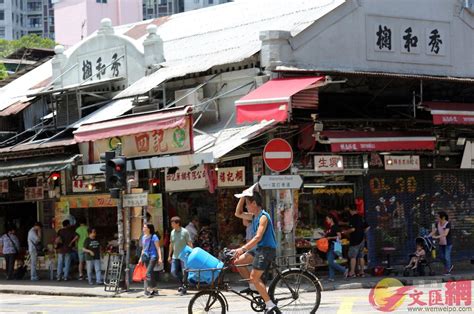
{"points": [[377, 109]]}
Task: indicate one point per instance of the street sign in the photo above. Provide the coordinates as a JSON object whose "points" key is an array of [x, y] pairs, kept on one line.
{"points": [[280, 182], [135, 200], [278, 155]]}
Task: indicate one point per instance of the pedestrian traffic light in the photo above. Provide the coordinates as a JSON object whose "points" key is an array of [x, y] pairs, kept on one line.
{"points": [[106, 157], [118, 179]]}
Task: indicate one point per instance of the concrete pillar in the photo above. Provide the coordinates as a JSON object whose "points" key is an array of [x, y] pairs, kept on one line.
{"points": [[58, 63], [153, 47], [275, 48]]}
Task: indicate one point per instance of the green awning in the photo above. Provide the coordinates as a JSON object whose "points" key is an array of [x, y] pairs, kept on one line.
{"points": [[27, 166]]}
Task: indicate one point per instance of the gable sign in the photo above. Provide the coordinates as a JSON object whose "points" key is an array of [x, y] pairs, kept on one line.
{"points": [[102, 64]]}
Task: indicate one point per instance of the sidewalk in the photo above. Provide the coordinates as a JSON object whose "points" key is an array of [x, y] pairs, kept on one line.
{"points": [[167, 286]]}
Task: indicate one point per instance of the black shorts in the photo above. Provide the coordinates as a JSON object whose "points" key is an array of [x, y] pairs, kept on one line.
{"points": [[263, 258]]}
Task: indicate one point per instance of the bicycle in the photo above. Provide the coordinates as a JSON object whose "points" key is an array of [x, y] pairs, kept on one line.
{"points": [[294, 289]]}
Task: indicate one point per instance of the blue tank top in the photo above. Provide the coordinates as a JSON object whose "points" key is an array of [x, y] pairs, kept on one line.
{"points": [[268, 239]]}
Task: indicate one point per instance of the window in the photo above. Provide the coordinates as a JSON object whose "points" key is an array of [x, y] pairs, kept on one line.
{"points": [[2, 15], [101, 1], [2, 32], [210, 1], [2, 1]]}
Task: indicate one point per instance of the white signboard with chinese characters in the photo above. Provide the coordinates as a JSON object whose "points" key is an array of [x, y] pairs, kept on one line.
{"points": [[4, 186], [79, 186], [229, 177], [185, 179], [135, 200], [279, 182], [328, 163], [408, 162], [394, 39], [103, 64], [34, 193]]}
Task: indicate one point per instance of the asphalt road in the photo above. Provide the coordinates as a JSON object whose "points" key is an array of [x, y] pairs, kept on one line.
{"points": [[337, 302]]}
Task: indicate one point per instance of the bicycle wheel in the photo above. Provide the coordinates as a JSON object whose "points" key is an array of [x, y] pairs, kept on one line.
{"points": [[206, 302], [295, 292]]}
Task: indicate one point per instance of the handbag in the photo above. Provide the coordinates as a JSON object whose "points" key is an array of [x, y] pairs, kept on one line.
{"points": [[323, 245], [139, 273], [338, 248]]}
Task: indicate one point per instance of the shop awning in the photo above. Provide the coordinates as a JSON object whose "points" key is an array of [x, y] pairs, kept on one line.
{"points": [[23, 167], [451, 113], [164, 119], [275, 98], [349, 141]]}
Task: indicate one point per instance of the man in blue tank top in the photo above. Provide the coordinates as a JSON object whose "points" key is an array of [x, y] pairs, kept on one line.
{"points": [[261, 249]]}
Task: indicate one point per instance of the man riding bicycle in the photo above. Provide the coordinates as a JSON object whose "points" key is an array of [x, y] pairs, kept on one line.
{"points": [[261, 249]]}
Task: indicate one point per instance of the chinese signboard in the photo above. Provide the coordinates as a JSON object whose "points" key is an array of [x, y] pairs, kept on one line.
{"points": [[152, 143], [135, 200], [407, 40], [34, 193], [186, 179], [228, 177], [408, 162], [87, 201], [103, 64], [155, 209], [324, 163], [82, 186], [276, 182], [4, 186]]}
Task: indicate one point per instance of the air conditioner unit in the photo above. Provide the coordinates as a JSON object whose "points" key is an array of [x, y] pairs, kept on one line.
{"points": [[193, 97]]}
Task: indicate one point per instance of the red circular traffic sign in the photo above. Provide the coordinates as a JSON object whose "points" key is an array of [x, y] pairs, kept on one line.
{"points": [[278, 155]]}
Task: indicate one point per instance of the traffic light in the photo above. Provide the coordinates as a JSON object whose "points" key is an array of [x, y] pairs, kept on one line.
{"points": [[118, 166], [106, 157]]}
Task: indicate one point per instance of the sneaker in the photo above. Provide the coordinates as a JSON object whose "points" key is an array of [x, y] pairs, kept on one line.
{"points": [[274, 309], [65, 279], [147, 293], [248, 290], [91, 283], [331, 279], [81, 277], [58, 279], [182, 292], [34, 279], [180, 288], [155, 293]]}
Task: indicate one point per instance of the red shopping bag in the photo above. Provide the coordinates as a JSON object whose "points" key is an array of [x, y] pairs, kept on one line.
{"points": [[139, 274]]}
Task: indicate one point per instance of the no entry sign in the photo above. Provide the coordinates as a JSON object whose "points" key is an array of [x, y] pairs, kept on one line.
{"points": [[278, 155]]}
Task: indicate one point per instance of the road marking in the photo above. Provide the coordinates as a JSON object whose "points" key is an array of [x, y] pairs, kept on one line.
{"points": [[346, 305]]}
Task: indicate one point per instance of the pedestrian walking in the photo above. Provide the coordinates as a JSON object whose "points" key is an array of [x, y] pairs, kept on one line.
{"points": [[443, 230], [193, 228], [10, 250], [34, 240], [91, 250], [356, 233], [179, 239], [82, 232], [150, 256], [65, 241], [333, 234]]}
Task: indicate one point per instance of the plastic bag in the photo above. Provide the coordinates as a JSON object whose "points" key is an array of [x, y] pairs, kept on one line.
{"points": [[139, 274]]}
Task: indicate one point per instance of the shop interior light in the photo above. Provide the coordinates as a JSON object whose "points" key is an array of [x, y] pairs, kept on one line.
{"points": [[154, 182], [389, 162], [55, 175], [216, 168], [366, 164], [339, 164], [90, 186]]}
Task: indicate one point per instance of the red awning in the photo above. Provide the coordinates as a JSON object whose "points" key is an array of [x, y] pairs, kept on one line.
{"points": [[273, 99], [451, 113], [165, 119], [348, 141]]}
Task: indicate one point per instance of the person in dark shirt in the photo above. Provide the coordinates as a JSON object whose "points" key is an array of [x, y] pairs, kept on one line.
{"points": [[64, 244], [356, 233], [92, 251], [333, 234]]}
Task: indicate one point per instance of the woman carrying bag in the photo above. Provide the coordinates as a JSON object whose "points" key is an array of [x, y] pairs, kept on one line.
{"points": [[333, 234], [11, 248], [150, 256]]}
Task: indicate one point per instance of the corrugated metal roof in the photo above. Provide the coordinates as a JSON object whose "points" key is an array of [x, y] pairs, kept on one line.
{"points": [[14, 108], [38, 144], [112, 110], [197, 40], [229, 138], [29, 166]]}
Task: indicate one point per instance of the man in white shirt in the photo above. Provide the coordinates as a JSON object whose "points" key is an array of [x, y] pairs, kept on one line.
{"points": [[192, 228], [34, 237]]}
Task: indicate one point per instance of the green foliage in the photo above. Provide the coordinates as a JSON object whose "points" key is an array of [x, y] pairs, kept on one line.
{"points": [[29, 41], [3, 71]]}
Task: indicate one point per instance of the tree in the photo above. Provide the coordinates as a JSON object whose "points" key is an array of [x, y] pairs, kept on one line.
{"points": [[7, 47], [29, 41]]}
